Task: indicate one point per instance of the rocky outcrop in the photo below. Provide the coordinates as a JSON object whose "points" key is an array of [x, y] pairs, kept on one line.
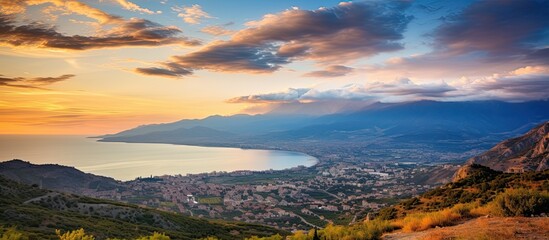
{"points": [[529, 152]]}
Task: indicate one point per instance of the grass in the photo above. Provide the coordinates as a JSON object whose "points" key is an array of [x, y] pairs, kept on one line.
{"points": [[425, 220], [364, 230], [493, 229]]}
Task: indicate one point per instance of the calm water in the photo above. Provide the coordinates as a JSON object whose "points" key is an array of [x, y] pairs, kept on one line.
{"points": [[126, 161]]}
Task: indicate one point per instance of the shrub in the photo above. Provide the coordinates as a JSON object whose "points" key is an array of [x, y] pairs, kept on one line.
{"points": [[155, 236], [13, 234], [274, 237], [521, 202], [74, 235], [387, 213], [365, 230]]}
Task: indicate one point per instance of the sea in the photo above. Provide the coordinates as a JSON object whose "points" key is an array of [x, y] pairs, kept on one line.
{"points": [[127, 161]]}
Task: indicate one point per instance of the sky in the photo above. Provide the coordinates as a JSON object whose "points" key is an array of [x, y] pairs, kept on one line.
{"points": [[102, 66]]}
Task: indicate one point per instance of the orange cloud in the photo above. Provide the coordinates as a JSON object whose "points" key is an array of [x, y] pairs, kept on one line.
{"points": [[192, 14], [39, 82], [133, 32], [134, 7]]}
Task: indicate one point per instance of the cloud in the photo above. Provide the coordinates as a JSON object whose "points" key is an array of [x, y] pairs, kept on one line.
{"points": [[217, 30], [486, 37], [133, 32], [337, 35], [192, 14], [38, 82], [169, 70], [330, 71], [523, 84], [290, 95], [399, 90], [531, 70], [494, 27], [134, 7], [233, 57], [538, 56], [70, 6]]}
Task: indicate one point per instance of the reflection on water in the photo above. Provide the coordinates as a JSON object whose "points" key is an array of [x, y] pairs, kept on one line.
{"points": [[126, 161]]}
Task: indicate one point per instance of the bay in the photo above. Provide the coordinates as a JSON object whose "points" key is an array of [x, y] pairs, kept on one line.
{"points": [[127, 161]]}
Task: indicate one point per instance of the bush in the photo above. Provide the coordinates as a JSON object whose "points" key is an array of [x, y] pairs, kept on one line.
{"points": [[521, 202], [74, 235], [366, 230], [13, 234], [155, 236], [274, 237], [387, 213]]}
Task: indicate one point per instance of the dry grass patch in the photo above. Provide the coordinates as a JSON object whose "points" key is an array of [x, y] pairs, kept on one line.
{"points": [[447, 217]]}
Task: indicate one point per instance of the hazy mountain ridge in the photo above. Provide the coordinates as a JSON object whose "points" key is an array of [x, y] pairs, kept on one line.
{"points": [[455, 126], [242, 124], [197, 134]]}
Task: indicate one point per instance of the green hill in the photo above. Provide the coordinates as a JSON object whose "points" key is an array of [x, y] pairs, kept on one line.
{"points": [[39, 213]]}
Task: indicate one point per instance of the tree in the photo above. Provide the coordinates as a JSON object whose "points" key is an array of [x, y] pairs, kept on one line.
{"points": [[315, 236]]}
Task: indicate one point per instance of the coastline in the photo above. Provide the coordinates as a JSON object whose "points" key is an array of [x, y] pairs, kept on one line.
{"points": [[225, 146], [126, 162]]}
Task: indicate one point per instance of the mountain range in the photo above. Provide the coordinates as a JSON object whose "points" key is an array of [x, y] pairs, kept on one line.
{"points": [[444, 126]]}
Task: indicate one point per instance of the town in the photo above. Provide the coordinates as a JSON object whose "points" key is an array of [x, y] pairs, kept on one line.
{"points": [[298, 198]]}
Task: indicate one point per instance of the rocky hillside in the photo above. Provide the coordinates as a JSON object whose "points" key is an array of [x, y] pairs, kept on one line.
{"points": [[480, 185], [529, 152]]}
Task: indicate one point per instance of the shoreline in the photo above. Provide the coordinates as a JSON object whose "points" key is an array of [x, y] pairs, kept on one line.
{"points": [[224, 158], [316, 159]]}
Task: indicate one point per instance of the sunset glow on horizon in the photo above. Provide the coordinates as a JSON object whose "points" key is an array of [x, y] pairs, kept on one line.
{"points": [[99, 67]]}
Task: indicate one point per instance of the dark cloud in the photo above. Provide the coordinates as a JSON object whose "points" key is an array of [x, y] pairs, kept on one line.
{"points": [[337, 35], [36, 83], [233, 57], [486, 37], [515, 88], [538, 56], [169, 70], [331, 71], [133, 32], [495, 27]]}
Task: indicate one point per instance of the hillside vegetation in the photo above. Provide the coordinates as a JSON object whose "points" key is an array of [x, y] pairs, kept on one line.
{"points": [[481, 187], [39, 213]]}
